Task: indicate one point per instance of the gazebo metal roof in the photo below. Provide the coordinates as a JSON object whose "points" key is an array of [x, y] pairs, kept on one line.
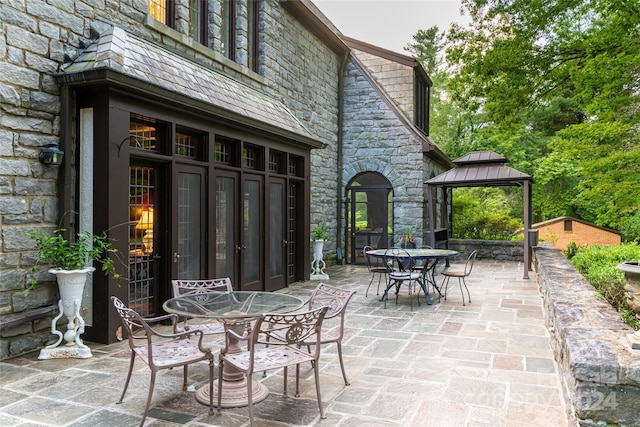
{"points": [[480, 168], [484, 169]]}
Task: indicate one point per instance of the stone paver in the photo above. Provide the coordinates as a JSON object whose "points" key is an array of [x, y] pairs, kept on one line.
{"points": [[485, 364]]}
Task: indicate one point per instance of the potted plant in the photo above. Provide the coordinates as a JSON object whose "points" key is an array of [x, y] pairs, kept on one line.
{"points": [[69, 262], [407, 239], [319, 235], [65, 256]]}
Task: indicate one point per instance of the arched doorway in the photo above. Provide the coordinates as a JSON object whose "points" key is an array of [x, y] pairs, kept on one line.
{"points": [[369, 214]]}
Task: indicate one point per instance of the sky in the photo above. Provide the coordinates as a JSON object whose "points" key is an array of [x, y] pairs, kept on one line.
{"points": [[390, 24]]}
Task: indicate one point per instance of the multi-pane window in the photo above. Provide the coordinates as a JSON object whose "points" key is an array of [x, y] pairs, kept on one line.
{"points": [[198, 20], [229, 13], [189, 143], [142, 135], [421, 102], [250, 158], [162, 11], [277, 162], [147, 133], [225, 150]]}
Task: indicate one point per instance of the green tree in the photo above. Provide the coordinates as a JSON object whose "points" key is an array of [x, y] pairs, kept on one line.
{"points": [[556, 88]]}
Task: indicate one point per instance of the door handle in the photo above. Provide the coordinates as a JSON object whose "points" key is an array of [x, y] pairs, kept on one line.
{"points": [[176, 256], [284, 243], [239, 248]]}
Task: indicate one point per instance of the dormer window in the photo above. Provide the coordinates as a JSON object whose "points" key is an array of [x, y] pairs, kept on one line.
{"points": [[421, 89]]}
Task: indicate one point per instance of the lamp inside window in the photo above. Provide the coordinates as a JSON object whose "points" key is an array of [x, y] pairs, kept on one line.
{"points": [[146, 223]]}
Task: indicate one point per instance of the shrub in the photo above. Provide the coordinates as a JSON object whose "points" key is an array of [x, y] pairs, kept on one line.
{"points": [[598, 265]]}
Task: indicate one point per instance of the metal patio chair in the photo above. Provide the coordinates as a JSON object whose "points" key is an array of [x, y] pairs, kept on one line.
{"points": [[336, 299], [461, 275], [400, 271], [374, 269], [282, 335], [181, 287], [161, 351]]}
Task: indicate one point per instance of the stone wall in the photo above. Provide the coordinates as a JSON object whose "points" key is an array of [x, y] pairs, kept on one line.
{"points": [[503, 250], [37, 37], [375, 140], [600, 370]]}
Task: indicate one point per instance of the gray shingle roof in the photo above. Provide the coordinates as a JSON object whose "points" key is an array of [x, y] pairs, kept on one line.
{"points": [[128, 54]]}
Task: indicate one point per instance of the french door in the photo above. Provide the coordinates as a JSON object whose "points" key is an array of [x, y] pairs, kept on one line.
{"points": [[252, 238], [255, 244], [277, 235], [189, 255]]}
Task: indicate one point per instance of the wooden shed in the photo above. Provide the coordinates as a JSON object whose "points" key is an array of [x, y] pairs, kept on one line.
{"points": [[563, 230]]}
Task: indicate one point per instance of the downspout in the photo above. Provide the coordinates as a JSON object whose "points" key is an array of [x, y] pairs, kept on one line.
{"points": [[340, 253]]}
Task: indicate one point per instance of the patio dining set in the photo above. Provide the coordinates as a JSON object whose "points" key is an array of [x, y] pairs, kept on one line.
{"points": [[279, 329]]}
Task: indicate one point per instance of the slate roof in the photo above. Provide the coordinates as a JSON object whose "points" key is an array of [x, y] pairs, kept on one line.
{"points": [[121, 51], [480, 168]]}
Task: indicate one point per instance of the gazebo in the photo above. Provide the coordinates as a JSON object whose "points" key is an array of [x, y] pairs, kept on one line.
{"points": [[483, 169]]}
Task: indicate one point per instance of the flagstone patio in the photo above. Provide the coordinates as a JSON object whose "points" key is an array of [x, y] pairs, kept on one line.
{"points": [[485, 364]]}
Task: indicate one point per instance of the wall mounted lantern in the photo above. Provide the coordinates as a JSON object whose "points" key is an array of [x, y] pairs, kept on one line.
{"points": [[51, 155]]}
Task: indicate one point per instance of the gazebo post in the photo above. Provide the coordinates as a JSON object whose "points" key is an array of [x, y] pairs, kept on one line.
{"points": [[432, 237], [526, 190]]}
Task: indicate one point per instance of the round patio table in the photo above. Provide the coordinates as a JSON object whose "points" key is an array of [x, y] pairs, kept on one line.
{"points": [[227, 307], [428, 272]]}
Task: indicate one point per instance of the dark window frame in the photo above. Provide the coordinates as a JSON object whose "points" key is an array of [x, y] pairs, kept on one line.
{"points": [[229, 28], [253, 27], [203, 31], [170, 14], [421, 101]]}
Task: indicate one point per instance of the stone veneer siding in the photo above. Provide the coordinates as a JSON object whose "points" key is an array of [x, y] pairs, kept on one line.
{"points": [[601, 372], [35, 36], [376, 140], [502, 250]]}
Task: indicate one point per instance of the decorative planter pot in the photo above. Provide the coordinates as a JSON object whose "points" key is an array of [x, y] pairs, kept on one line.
{"points": [[632, 275], [318, 265], [71, 285]]}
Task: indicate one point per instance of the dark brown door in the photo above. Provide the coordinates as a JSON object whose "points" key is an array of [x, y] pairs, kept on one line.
{"points": [[276, 257], [189, 223], [252, 238], [227, 246]]}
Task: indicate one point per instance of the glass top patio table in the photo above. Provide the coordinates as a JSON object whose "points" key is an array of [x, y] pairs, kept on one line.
{"points": [[231, 305], [227, 307], [415, 253], [428, 272]]}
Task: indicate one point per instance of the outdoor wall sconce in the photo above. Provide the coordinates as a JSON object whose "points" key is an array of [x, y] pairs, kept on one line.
{"points": [[51, 155]]}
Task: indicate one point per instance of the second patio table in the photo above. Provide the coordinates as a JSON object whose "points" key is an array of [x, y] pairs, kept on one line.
{"points": [[428, 270], [227, 307]]}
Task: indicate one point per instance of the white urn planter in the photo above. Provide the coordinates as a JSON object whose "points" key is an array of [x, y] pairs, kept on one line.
{"points": [[71, 285], [318, 265]]}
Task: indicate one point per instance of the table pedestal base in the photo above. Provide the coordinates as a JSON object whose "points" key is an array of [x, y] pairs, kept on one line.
{"points": [[234, 393]]}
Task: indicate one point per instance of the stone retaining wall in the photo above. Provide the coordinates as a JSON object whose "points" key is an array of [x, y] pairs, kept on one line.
{"points": [[600, 370], [503, 250]]}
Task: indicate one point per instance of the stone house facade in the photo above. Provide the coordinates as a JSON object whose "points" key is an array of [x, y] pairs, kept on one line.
{"points": [[232, 127]]}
